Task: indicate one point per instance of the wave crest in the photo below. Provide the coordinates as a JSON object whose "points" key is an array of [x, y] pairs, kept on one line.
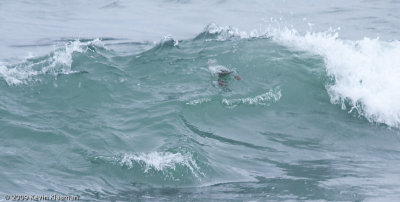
{"points": [[365, 72], [164, 163], [158, 161], [223, 33], [57, 62]]}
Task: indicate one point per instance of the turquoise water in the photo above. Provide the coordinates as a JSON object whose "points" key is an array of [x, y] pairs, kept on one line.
{"points": [[313, 117]]}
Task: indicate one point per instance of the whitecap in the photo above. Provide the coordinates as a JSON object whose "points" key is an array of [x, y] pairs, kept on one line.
{"points": [[160, 161], [224, 33], [57, 62], [366, 72]]}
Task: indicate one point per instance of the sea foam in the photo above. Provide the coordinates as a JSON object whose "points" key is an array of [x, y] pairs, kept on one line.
{"points": [[366, 72], [160, 161], [266, 98], [57, 62], [222, 33]]}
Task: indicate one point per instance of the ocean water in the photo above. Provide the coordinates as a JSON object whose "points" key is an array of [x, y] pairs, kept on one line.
{"points": [[121, 100]]}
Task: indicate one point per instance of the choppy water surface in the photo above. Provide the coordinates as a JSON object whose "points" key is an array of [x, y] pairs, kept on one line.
{"points": [[121, 100]]}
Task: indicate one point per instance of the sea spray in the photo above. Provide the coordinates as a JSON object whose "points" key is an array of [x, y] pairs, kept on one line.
{"points": [[365, 72]]}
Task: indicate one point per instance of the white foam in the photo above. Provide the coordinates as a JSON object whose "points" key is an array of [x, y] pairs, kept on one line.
{"points": [[227, 32], [15, 76], [267, 98], [366, 72], [198, 101], [167, 39], [160, 161], [58, 62]]}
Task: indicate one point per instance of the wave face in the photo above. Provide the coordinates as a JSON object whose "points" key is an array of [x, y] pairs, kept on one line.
{"points": [[268, 115]]}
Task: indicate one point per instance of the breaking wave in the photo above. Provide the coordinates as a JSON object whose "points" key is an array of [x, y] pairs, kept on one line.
{"points": [[57, 62], [159, 161], [365, 72]]}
